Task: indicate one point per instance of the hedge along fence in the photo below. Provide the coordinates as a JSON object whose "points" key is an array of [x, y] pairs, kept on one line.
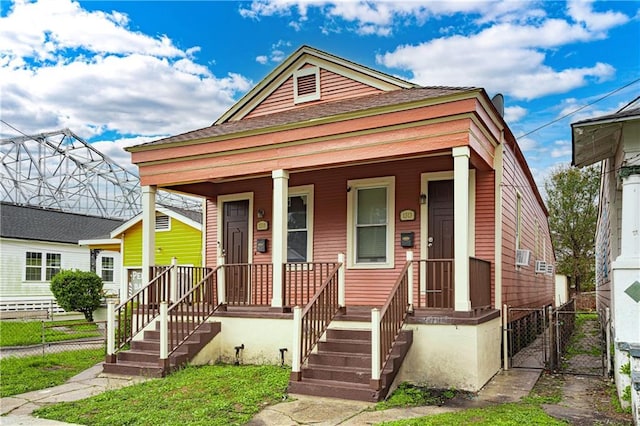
{"points": [[22, 338]]}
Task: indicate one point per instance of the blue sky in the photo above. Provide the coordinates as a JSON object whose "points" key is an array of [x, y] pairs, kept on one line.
{"points": [[120, 73]]}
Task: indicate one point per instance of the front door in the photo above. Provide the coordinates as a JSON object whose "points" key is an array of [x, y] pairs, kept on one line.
{"points": [[439, 268], [235, 237], [440, 238]]}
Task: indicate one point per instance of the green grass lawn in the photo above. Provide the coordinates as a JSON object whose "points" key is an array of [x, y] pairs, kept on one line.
{"points": [[208, 395], [496, 415], [23, 333], [25, 374]]}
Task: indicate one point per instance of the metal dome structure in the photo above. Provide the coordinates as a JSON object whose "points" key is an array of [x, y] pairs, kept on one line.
{"points": [[60, 170]]}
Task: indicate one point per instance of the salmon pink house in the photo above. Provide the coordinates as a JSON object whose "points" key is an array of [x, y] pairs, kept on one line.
{"points": [[361, 228]]}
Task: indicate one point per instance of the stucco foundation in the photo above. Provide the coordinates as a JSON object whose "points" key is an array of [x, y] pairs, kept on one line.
{"points": [[262, 339], [460, 356]]}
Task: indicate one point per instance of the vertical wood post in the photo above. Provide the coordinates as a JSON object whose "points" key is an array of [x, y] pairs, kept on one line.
{"points": [[222, 282], [410, 281], [375, 349], [279, 233], [173, 284], [164, 333], [505, 337], [111, 331], [341, 283], [296, 354]]}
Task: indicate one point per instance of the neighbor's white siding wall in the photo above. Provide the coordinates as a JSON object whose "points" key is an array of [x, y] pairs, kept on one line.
{"points": [[12, 266]]}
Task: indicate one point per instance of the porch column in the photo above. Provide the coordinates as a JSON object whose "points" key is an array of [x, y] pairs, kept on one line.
{"points": [[279, 232], [148, 231], [461, 225], [626, 276]]}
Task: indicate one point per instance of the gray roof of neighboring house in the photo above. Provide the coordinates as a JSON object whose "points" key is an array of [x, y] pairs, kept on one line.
{"points": [[194, 215], [317, 111], [36, 223]]}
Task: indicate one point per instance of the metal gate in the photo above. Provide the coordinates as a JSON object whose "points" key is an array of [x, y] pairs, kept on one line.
{"points": [[562, 340], [528, 337], [579, 342]]}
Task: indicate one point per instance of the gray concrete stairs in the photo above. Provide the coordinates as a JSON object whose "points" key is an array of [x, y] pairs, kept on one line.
{"points": [[143, 357], [341, 367]]}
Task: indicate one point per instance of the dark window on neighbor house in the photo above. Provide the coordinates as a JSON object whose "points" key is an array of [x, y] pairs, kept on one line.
{"points": [[106, 268], [54, 262], [33, 270]]}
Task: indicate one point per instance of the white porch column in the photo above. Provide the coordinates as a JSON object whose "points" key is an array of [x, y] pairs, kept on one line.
{"points": [[626, 278], [279, 232], [461, 225], [148, 231]]}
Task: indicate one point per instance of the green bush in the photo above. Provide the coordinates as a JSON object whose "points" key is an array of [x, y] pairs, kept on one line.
{"points": [[78, 291]]}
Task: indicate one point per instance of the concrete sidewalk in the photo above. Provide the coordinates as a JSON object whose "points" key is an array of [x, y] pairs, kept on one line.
{"points": [[506, 386], [17, 409]]}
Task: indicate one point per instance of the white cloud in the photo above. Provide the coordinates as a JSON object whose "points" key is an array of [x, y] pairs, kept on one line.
{"points": [[262, 59], [513, 114], [560, 149], [62, 66]]}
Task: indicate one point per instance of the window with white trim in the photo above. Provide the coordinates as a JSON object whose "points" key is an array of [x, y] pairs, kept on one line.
{"points": [[36, 270], [306, 85], [370, 206], [518, 220], [106, 268], [300, 224]]}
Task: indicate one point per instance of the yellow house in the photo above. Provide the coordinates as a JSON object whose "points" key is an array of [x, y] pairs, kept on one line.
{"points": [[178, 234]]}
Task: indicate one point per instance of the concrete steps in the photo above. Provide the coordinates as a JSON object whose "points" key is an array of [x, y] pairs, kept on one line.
{"points": [[143, 357], [341, 367]]}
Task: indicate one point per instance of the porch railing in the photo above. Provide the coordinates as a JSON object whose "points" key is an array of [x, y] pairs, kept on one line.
{"points": [[387, 322], [249, 284], [436, 288], [131, 316], [311, 322], [303, 279], [479, 283], [188, 314]]}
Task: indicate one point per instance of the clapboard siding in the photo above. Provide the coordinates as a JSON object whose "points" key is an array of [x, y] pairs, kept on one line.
{"points": [[485, 221], [604, 234], [522, 287], [332, 87], [364, 287], [182, 242], [13, 264]]}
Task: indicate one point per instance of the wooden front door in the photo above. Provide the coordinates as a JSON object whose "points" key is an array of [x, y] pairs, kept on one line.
{"points": [[235, 237], [439, 273]]}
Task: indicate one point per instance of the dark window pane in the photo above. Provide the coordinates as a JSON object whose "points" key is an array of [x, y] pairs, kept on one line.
{"points": [[297, 246]]}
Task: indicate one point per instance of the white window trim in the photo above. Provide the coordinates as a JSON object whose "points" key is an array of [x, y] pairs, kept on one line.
{"points": [[518, 224], [308, 191], [113, 268], [43, 266], [301, 73], [390, 183]]}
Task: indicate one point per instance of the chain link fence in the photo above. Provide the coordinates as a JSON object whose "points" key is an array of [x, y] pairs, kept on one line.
{"points": [[28, 336]]}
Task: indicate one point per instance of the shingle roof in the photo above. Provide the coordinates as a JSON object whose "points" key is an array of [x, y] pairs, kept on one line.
{"points": [[35, 223], [316, 111], [194, 215]]}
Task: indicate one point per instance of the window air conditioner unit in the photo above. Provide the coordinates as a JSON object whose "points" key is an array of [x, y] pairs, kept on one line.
{"points": [[550, 269], [522, 257], [541, 267]]}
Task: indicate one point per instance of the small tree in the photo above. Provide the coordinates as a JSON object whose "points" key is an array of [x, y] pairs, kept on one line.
{"points": [[78, 291], [572, 198]]}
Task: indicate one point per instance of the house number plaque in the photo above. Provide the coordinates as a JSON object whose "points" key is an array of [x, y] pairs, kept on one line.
{"points": [[407, 215], [262, 225]]}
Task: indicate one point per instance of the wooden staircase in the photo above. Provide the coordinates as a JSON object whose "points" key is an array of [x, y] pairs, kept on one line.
{"points": [[341, 367], [143, 358]]}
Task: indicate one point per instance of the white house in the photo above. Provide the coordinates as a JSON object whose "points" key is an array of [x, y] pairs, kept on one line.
{"points": [[615, 141], [36, 243]]}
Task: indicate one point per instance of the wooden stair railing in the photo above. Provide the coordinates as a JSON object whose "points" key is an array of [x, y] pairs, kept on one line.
{"points": [[189, 313], [387, 322], [134, 314], [311, 322]]}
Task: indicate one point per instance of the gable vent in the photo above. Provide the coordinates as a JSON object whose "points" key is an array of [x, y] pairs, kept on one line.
{"points": [[162, 222], [306, 85]]}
